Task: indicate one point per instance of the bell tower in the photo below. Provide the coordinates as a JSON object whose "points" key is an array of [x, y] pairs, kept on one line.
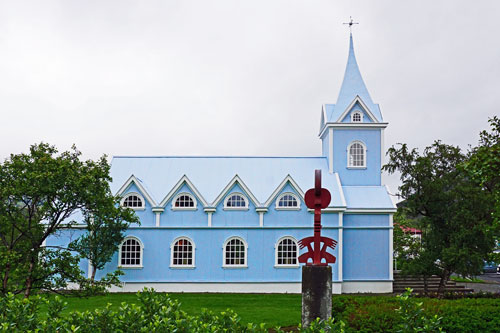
{"points": [[352, 130]]}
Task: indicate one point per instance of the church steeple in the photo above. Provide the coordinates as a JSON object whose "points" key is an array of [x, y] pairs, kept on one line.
{"points": [[352, 130], [353, 84]]}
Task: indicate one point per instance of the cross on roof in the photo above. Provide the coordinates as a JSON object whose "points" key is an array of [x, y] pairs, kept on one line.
{"points": [[350, 23]]}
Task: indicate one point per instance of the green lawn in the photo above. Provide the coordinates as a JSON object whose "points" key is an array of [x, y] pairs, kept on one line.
{"points": [[273, 309]]}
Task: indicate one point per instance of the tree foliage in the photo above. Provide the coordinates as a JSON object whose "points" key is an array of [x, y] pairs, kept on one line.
{"points": [[453, 209], [40, 193]]}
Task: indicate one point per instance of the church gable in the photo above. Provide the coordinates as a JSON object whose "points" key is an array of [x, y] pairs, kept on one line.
{"points": [[357, 111], [236, 185], [135, 185], [288, 185], [184, 185]]}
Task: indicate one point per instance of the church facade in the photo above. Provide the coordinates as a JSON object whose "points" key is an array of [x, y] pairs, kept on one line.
{"points": [[232, 224]]}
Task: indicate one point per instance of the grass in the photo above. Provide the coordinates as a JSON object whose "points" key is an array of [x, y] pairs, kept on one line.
{"points": [[273, 309], [466, 280]]}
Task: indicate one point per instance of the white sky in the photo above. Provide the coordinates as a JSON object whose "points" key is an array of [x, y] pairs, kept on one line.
{"points": [[233, 77]]}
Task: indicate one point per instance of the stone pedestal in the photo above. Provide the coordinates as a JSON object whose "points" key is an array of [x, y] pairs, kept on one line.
{"points": [[316, 293]]}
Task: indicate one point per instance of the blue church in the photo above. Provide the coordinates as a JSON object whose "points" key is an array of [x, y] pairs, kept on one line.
{"points": [[232, 224]]}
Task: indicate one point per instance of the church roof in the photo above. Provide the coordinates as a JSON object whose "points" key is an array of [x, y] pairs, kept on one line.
{"points": [[352, 87], [261, 175]]}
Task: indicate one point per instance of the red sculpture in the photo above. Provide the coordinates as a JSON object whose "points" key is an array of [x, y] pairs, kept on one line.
{"points": [[317, 198]]}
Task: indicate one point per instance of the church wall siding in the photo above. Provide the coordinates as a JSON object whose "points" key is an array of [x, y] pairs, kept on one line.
{"points": [[366, 254], [371, 175], [209, 256]]}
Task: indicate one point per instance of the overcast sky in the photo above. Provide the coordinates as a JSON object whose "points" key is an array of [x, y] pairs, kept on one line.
{"points": [[239, 77]]}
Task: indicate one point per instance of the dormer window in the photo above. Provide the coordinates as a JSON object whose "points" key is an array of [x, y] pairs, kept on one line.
{"points": [[133, 200], [236, 201], [357, 117], [184, 201], [288, 201]]}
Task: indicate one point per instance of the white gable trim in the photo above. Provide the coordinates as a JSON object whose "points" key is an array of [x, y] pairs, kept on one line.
{"points": [[363, 105], [184, 180], [236, 180], [281, 186], [142, 190]]}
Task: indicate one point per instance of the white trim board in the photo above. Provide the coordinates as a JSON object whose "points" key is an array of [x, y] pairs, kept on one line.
{"points": [[252, 287]]}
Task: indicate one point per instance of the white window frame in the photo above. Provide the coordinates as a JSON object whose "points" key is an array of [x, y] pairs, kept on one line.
{"points": [[276, 253], [141, 264], [224, 265], [235, 208], [349, 166], [278, 207], [129, 194], [193, 265], [360, 114], [184, 208]]}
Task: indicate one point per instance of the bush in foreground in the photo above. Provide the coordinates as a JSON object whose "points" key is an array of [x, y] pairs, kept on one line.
{"points": [[154, 312]]}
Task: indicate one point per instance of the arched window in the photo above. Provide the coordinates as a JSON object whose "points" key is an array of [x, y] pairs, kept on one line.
{"points": [[356, 117], [356, 155], [182, 253], [287, 252], [184, 201], [288, 201], [133, 200], [236, 201], [130, 253], [235, 253]]}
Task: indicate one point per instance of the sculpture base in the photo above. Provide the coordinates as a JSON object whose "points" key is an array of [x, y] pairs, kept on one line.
{"points": [[316, 293]]}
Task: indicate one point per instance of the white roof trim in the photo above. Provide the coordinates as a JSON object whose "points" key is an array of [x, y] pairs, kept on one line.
{"points": [[244, 187], [323, 118], [350, 106], [142, 190], [184, 179], [352, 125], [390, 196], [341, 190], [288, 179]]}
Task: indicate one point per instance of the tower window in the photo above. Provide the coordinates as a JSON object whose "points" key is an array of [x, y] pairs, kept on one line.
{"points": [[356, 155], [357, 117]]}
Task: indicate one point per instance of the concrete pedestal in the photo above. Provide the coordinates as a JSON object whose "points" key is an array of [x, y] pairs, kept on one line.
{"points": [[316, 293]]}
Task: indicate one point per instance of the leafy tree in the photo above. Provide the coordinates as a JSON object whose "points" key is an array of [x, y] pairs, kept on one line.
{"points": [[484, 163], [39, 194], [104, 235], [454, 211]]}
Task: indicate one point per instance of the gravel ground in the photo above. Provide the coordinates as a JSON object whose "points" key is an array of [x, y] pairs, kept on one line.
{"points": [[492, 284]]}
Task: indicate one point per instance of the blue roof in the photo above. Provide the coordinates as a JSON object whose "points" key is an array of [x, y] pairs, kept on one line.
{"points": [[210, 175], [367, 197], [352, 86]]}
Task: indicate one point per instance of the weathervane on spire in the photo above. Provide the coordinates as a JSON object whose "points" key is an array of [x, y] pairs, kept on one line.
{"points": [[351, 23]]}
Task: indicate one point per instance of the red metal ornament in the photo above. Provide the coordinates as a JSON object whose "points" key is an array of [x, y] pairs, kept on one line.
{"points": [[317, 198]]}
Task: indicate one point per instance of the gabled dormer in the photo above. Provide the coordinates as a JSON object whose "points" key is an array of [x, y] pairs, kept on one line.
{"points": [[352, 130]]}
